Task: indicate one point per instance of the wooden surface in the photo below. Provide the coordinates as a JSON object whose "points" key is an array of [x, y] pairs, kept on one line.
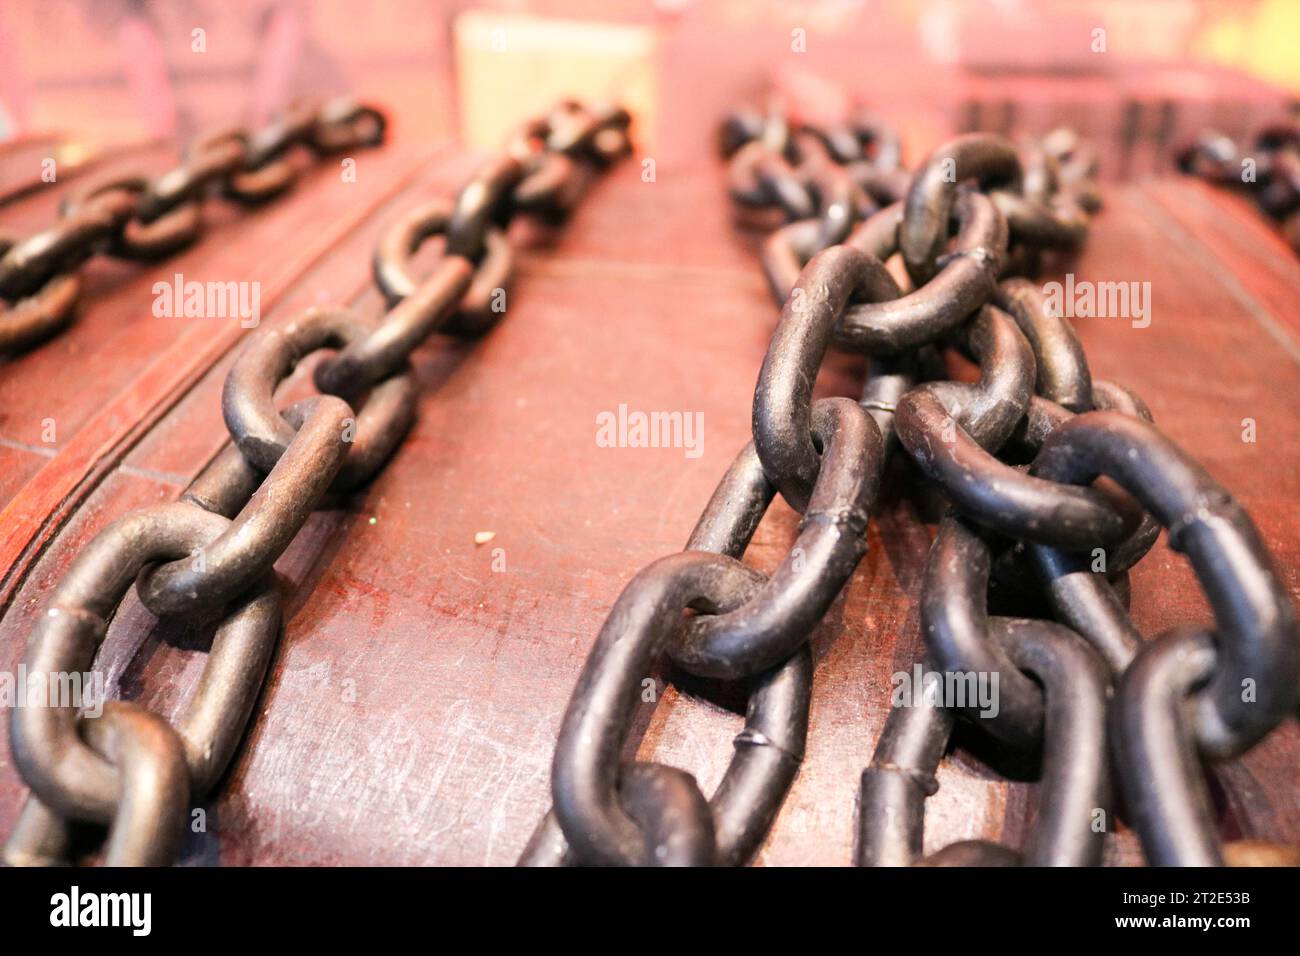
{"points": [[415, 696]]}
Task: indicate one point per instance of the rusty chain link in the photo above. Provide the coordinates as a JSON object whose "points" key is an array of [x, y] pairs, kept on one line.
{"points": [[1057, 485], [210, 555], [132, 216]]}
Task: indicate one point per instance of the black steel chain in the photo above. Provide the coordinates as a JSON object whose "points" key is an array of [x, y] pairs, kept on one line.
{"points": [[1099, 484], [132, 216], [210, 555]]}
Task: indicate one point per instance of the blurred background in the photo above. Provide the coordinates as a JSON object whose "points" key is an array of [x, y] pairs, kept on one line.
{"points": [[1137, 76]]}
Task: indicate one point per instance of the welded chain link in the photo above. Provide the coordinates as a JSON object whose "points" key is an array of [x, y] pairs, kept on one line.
{"points": [[132, 216], [1269, 170], [1052, 477], [210, 556]]}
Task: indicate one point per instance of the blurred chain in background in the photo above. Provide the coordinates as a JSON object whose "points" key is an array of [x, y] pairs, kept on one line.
{"points": [[1269, 171]]}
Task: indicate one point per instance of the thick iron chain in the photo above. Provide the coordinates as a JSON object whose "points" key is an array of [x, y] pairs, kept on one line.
{"points": [[210, 556], [974, 218]]}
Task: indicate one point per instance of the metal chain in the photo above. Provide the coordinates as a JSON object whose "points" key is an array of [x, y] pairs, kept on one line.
{"points": [[1100, 481], [132, 216], [210, 555], [1270, 171]]}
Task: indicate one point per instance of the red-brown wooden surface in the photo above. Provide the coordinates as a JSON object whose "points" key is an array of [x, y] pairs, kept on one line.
{"points": [[413, 703]]}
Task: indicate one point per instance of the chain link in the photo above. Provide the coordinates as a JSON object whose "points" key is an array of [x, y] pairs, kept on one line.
{"points": [[210, 555]]}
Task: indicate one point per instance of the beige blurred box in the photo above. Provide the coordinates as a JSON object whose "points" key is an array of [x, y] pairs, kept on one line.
{"points": [[511, 66]]}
